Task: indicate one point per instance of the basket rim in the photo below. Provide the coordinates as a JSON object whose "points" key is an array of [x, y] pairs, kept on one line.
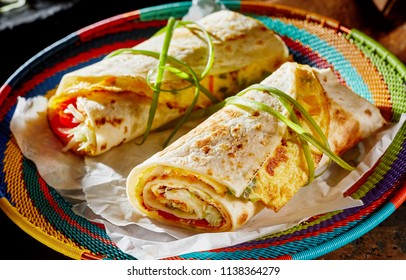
{"points": [[317, 251]]}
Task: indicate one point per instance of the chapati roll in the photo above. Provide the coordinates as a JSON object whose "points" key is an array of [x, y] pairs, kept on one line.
{"points": [[240, 160], [106, 104]]}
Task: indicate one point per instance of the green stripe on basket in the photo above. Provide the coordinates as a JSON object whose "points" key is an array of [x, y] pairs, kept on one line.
{"points": [[304, 225], [390, 67], [380, 50], [177, 10], [163, 12]]}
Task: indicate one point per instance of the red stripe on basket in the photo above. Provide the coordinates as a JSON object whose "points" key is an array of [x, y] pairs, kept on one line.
{"points": [[400, 196], [283, 257], [307, 52], [4, 92], [103, 26], [174, 258], [116, 24], [313, 56], [83, 57], [64, 216], [90, 256]]}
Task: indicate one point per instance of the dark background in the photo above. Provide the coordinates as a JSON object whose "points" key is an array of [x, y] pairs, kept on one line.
{"points": [[28, 30]]}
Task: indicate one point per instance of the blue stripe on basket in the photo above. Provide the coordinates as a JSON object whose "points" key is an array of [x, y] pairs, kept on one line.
{"points": [[332, 55], [349, 236]]}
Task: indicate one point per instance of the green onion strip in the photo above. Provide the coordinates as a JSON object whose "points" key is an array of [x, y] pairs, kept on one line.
{"points": [[189, 76], [161, 63], [207, 36], [292, 123], [303, 142]]}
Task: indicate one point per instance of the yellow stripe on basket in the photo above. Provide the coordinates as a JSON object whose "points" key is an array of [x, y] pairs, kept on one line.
{"points": [[25, 214], [39, 233]]}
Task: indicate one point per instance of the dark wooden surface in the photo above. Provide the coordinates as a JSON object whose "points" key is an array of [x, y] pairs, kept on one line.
{"points": [[386, 241]]}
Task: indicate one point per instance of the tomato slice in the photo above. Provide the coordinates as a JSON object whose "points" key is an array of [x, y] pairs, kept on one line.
{"points": [[198, 223], [66, 120], [61, 120]]}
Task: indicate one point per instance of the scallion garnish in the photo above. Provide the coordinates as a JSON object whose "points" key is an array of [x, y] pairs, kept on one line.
{"points": [[171, 60], [305, 145], [207, 36], [188, 74], [159, 76], [293, 123], [189, 109]]}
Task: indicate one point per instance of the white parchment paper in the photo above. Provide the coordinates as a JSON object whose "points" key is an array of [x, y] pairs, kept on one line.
{"points": [[96, 187], [202, 8]]}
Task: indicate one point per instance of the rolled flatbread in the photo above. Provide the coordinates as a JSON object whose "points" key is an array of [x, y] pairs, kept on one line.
{"points": [[106, 104], [237, 161]]}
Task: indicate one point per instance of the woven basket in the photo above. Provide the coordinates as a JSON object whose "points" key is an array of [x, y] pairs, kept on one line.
{"points": [[360, 62]]}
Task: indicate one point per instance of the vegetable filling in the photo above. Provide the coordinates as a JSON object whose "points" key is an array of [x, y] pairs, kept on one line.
{"points": [[171, 199]]}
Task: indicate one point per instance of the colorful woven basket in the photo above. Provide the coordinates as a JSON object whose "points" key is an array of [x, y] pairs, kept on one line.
{"points": [[360, 62]]}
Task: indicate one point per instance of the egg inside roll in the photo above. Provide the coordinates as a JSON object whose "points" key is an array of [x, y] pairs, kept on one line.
{"points": [[106, 104], [240, 160]]}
